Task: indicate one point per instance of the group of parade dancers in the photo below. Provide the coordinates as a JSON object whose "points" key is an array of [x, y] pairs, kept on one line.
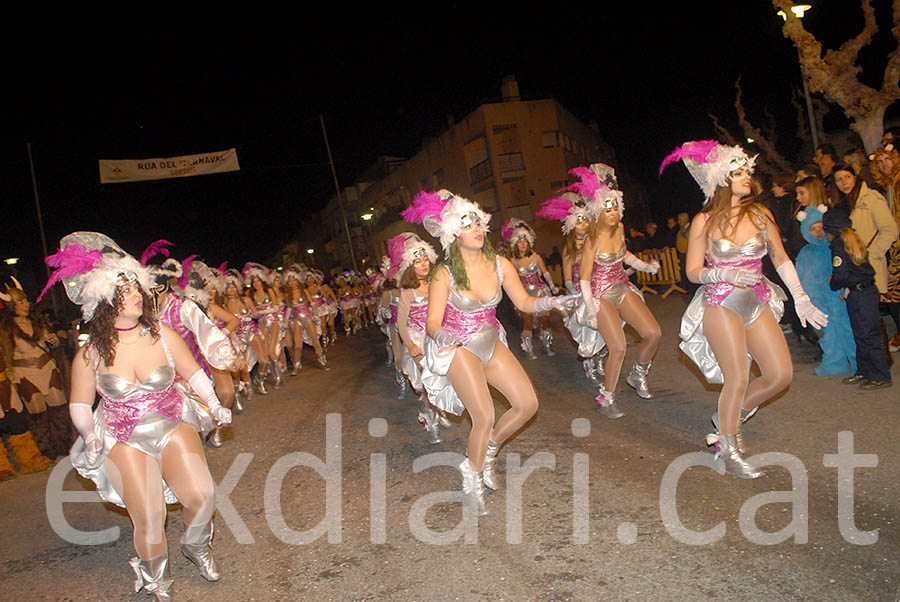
{"points": [[158, 388]]}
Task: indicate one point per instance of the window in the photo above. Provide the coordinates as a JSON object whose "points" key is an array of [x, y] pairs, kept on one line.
{"points": [[501, 127], [548, 139], [510, 162]]}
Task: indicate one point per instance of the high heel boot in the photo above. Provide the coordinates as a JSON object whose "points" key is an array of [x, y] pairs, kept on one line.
{"points": [[527, 347], [426, 419], [637, 379], [606, 403], [490, 461], [473, 487], [153, 577], [590, 373], [727, 450], [247, 390], [279, 379], [238, 403], [546, 342], [259, 381], [196, 545], [296, 365], [215, 438], [390, 353], [404, 386]]}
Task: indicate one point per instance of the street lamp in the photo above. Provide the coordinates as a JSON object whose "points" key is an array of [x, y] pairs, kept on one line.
{"points": [[310, 251], [11, 261], [367, 216], [799, 10]]}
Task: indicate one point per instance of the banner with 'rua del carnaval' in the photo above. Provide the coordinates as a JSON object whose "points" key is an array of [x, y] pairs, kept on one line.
{"points": [[135, 170]]}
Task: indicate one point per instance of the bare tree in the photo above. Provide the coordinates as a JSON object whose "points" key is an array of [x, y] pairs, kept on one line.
{"points": [[835, 75], [820, 110]]}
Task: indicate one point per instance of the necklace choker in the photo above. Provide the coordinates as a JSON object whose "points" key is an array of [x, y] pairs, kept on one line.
{"points": [[127, 329]]}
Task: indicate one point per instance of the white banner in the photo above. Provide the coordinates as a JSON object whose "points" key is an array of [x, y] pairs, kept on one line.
{"points": [[135, 170]]}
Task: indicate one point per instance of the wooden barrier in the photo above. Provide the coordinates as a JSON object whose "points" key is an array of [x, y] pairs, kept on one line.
{"points": [[669, 273]]}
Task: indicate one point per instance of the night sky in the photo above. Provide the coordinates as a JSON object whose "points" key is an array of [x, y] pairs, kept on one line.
{"points": [[384, 79]]}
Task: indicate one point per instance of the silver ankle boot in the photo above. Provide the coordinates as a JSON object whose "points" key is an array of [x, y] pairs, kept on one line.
{"points": [[606, 403], [277, 373], [390, 353], [153, 577], [247, 390], [589, 372], [296, 366], [443, 420], [196, 545], [259, 381], [215, 438], [404, 386], [323, 363], [473, 487], [637, 379], [745, 416], [727, 450], [528, 348], [426, 419], [238, 405], [490, 460], [546, 342], [598, 362]]}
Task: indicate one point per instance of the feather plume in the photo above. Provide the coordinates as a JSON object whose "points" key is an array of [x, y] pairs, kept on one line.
{"points": [[555, 208], [588, 185], [424, 204], [697, 150], [155, 248], [224, 267], [74, 259], [506, 229], [186, 270]]}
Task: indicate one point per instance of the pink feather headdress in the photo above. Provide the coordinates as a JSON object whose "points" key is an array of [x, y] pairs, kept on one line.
{"points": [[186, 270], [443, 214], [710, 163], [425, 204], [155, 248], [72, 260], [570, 208]]}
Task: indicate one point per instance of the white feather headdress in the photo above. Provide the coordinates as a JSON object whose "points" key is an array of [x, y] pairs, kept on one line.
{"points": [[513, 229], [91, 266], [253, 270], [444, 214], [570, 208], [710, 163], [404, 249]]}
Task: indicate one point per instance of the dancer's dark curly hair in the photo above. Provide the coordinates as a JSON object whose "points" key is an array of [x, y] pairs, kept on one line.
{"points": [[102, 329]]}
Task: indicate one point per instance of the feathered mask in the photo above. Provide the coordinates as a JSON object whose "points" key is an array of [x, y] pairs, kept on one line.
{"points": [[233, 278], [598, 186], [444, 214], [405, 249], [570, 208], [513, 229], [197, 277], [710, 163], [91, 266], [256, 270]]}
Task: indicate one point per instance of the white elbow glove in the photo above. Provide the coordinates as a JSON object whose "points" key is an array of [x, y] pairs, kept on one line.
{"points": [[641, 266], [806, 311], [565, 303], [201, 385], [444, 339], [83, 419], [735, 276], [570, 286], [588, 297]]}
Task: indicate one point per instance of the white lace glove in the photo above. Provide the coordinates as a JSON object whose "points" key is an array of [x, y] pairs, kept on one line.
{"points": [[570, 286], [735, 276], [806, 311], [564, 303], [553, 288], [588, 297], [201, 385], [444, 339], [83, 420], [641, 266]]}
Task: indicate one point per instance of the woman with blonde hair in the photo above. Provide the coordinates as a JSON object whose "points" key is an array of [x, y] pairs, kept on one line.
{"points": [[736, 311]]}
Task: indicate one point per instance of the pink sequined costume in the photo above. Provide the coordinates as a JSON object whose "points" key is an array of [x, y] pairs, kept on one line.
{"points": [[143, 415], [415, 331], [476, 326], [205, 340]]}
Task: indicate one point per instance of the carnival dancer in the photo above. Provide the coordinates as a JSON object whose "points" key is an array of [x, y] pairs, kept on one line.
{"points": [[359, 308], [519, 238], [575, 213], [383, 312], [412, 310], [204, 339], [462, 354], [303, 323], [346, 303], [265, 301], [321, 299], [609, 298], [390, 301], [140, 446], [251, 339], [736, 311]]}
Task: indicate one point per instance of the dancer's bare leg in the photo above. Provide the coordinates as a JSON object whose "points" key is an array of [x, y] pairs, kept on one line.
{"points": [[638, 315], [313, 334], [727, 337], [138, 479], [527, 325], [609, 323], [467, 376], [505, 373], [765, 341], [397, 347], [187, 474], [224, 386]]}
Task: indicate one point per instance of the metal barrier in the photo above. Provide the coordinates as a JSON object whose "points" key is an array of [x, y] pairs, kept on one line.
{"points": [[669, 273]]}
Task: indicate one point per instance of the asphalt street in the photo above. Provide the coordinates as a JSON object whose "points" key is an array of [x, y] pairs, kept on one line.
{"points": [[610, 510]]}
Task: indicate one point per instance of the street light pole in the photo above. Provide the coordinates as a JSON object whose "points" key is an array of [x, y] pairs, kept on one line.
{"points": [[337, 190], [799, 11], [37, 204]]}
